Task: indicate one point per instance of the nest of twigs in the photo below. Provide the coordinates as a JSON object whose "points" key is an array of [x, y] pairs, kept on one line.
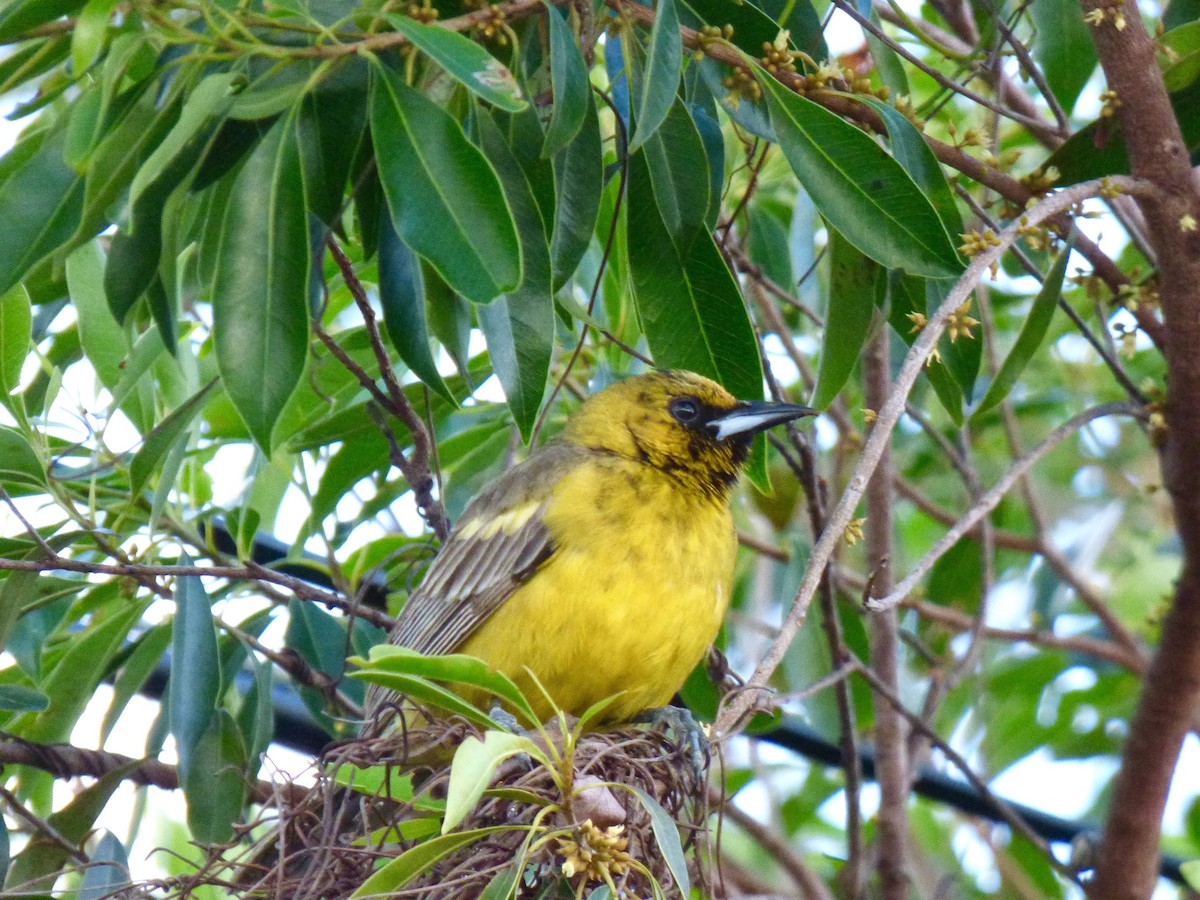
{"points": [[326, 841]]}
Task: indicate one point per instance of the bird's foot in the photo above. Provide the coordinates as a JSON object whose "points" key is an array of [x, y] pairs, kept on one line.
{"points": [[690, 734]]}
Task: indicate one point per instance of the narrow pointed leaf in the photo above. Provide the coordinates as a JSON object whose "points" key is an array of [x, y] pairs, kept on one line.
{"points": [[19, 463], [690, 308], [666, 833], [164, 436], [578, 184], [215, 783], [569, 79], [195, 668], [918, 161], [41, 200], [16, 327], [207, 102], [260, 292], [863, 192], [464, 60], [402, 296], [519, 327], [848, 322], [408, 865], [431, 172], [108, 871], [678, 166], [1033, 331], [660, 78]]}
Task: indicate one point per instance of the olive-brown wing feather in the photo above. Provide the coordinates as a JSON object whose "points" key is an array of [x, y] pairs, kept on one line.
{"points": [[467, 582]]}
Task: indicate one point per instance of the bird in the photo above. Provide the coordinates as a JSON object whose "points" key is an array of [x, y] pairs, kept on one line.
{"points": [[603, 563]]}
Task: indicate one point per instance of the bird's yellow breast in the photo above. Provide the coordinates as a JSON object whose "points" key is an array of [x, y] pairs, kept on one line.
{"points": [[632, 597]]}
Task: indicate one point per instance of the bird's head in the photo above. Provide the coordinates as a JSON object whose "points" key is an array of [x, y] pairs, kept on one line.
{"points": [[679, 422]]}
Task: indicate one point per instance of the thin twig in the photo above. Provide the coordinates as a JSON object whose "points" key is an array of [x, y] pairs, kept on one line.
{"points": [[988, 501], [416, 468]]}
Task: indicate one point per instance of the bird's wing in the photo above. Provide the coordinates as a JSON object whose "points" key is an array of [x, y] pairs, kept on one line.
{"points": [[501, 541]]}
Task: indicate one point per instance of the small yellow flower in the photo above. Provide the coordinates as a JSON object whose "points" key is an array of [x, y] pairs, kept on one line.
{"points": [[1095, 17], [1187, 222], [975, 242], [597, 853], [960, 323], [1110, 103], [869, 416], [709, 35], [935, 356], [919, 322], [854, 532], [742, 86]]}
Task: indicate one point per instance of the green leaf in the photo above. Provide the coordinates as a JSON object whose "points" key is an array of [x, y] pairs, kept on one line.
{"points": [[464, 60], [329, 123], [16, 325], [408, 865], [1033, 331], [19, 462], [578, 184], [22, 699], [690, 308], [519, 327], [678, 166], [957, 578], [107, 872], [666, 833], [402, 296], [164, 436], [569, 79], [455, 668], [861, 190], [918, 161], [87, 38], [1063, 47], [22, 15], [260, 292], [660, 79], [1191, 873], [215, 781], [16, 590], [426, 692], [195, 681], [1184, 44], [208, 101], [474, 764], [41, 201], [104, 342], [141, 663], [852, 282], [431, 172], [73, 681], [44, 857], [376, 781]]}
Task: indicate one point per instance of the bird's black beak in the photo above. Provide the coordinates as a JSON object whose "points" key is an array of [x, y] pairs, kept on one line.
{"points": [[751, 417]]}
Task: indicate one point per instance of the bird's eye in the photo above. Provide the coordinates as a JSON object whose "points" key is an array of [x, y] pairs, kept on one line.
{"points": [[685, 410]]}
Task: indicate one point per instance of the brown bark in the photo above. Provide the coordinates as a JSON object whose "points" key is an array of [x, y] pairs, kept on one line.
{"points": [[1128, 861], [891, 757]]}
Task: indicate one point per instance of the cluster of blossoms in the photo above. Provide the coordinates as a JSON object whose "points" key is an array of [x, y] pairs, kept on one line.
{"points": [[597, 853]]}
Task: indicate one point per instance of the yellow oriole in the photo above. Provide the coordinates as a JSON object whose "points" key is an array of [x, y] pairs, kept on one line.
{"points": [[603, 563]]}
